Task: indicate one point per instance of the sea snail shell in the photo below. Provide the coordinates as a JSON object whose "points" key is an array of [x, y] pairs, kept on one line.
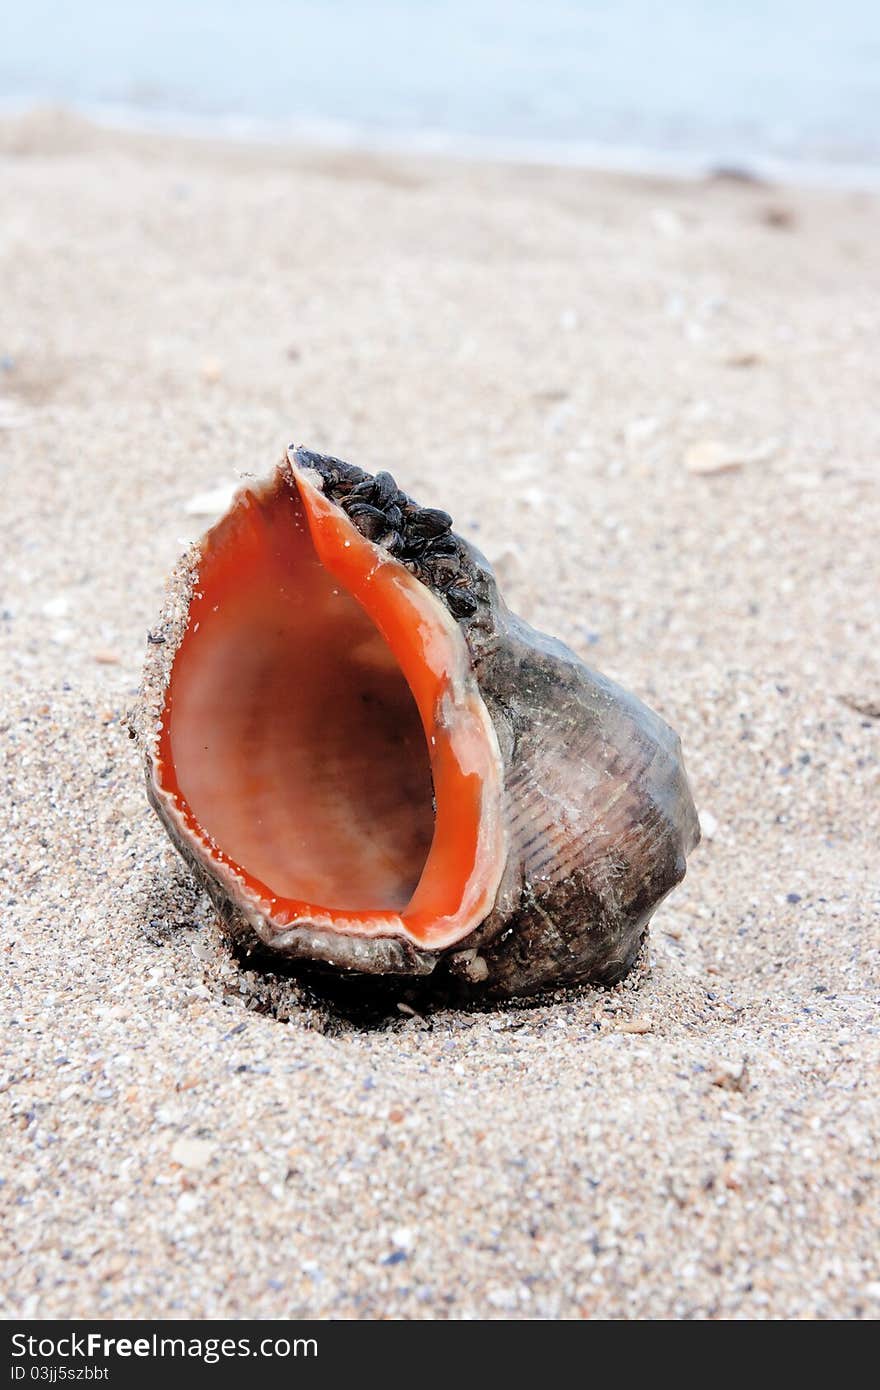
{"points": [[370, 762]]}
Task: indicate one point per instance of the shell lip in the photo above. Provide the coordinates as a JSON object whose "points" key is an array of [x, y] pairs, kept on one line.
{"points": [[403, 609]]}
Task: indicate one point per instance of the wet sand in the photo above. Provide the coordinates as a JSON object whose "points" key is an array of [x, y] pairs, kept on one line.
{"points": [[654, 405]]}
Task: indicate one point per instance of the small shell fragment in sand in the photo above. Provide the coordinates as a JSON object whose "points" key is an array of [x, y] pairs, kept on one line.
{"points": [[58, 607], [867, 705], [730, 1077], [708, 456], [744, 357], [711, 456], [212, 371], [192, 1153]]}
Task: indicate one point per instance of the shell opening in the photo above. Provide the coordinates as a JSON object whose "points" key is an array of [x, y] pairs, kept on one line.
{"points": [[324, 749]]}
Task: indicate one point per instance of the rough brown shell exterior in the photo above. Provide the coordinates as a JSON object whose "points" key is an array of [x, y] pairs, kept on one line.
{"points": [[599, 815]]}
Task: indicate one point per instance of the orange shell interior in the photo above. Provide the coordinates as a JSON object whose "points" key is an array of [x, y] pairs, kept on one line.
{"points": [[324, 748]]}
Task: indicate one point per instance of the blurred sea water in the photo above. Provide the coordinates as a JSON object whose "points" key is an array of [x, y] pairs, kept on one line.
{"points": [[784, 85]]}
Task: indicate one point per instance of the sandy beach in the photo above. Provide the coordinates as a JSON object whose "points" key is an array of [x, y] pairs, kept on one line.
{"points": [[654, 406]]}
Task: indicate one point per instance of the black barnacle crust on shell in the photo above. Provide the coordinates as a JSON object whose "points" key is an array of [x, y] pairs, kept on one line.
{"points": [[420, 537], [598, 814]]}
